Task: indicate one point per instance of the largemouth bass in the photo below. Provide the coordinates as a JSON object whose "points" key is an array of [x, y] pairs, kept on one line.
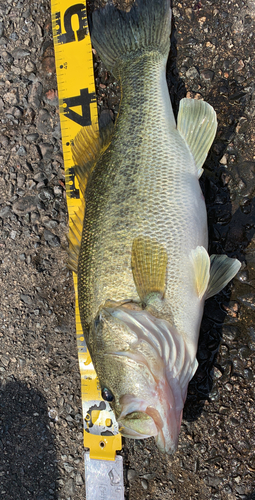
{"points": [[142, 262]]}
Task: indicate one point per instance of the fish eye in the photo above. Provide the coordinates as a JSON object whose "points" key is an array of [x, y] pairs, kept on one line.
{"points": [[107, 395]]}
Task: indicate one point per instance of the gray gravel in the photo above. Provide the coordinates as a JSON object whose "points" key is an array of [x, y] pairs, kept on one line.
{"points": [[41, 439]]}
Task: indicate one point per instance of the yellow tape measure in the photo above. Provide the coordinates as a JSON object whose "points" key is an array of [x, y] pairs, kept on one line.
{"points": [[78, 108]]}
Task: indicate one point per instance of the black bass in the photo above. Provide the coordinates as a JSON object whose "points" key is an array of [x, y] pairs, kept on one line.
{"points": [[142, 262]]}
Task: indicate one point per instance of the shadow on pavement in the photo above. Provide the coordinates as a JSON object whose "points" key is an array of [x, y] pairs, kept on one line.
{"points": [[28, 458]]}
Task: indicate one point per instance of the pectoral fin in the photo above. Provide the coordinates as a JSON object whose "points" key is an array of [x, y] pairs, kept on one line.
{"points": [[223, 269], [197, 124], [201, 264], [148, 262]]}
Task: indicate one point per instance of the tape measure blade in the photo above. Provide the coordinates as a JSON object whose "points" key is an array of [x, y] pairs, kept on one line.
{"points": [[104, 479]]}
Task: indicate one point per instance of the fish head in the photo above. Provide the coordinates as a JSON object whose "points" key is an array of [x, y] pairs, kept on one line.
{"points": [[132, 362]]}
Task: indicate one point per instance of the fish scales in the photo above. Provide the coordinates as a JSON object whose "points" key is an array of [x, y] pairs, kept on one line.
{"points": [[143, 267], [145, 184]]}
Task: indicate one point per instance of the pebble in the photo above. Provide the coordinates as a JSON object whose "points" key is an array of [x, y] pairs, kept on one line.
{"points": [[11, 97], [46, 150], [79, 479], [19, 53], [144, 484], [131, 474], [22, 151], [4, 140], [32, 137], [207, 75], [5, 211], [34, 98], [25, 205], [192, 73], [43, 122], [51, 238], [26, 298], [30, 66]]}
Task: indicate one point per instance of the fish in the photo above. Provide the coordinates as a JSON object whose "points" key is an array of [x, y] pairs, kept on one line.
{"points": [[139, 242]]}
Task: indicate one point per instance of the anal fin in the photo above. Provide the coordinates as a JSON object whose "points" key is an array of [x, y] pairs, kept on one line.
{"points": [[149, 262], [223, 269]]}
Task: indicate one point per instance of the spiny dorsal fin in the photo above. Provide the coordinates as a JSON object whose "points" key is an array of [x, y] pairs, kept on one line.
{"points": [[74, 237], [201, 263], [223, 269], [197, 124], [148, 262], [87, 146]]}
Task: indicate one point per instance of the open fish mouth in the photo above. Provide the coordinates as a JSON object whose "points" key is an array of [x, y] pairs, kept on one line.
{"points": [[146, 421], [137, 425]]}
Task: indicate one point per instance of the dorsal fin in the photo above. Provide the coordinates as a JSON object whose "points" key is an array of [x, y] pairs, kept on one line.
{"points": [[197, 124], [87, 146], [74, 237], [148, 262]]}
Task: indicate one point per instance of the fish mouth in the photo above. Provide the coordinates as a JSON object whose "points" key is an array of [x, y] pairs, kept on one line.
{"points": [[137, 425], [146, 422]]}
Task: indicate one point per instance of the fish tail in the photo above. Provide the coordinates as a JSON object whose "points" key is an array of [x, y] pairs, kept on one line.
{"points": [[119, 36]]}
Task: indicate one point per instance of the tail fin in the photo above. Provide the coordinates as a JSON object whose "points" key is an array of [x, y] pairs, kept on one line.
{"points": [[118, 36]]}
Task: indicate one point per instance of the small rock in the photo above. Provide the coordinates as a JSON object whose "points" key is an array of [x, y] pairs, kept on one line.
{"points": [[32, 137], [51, 97], [21, 179], [192, 73], [13, 234], [51, 238], [26, 298], [78, 479], [30, 66], [48, 65], [35, 94], [22, 151], [224, 160], [11, 97], [1, 28], [207, 75], [6, 57], [25, 205], [43, 122], [19, 53], [131, 474], [5, 211], [144, 484], [4, 140], [69, 488], [68, 467], [46, 150], [58, 191], [46, 194]]}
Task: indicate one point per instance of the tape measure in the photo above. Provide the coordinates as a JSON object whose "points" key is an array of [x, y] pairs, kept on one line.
{"points": [[78, 108]]}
